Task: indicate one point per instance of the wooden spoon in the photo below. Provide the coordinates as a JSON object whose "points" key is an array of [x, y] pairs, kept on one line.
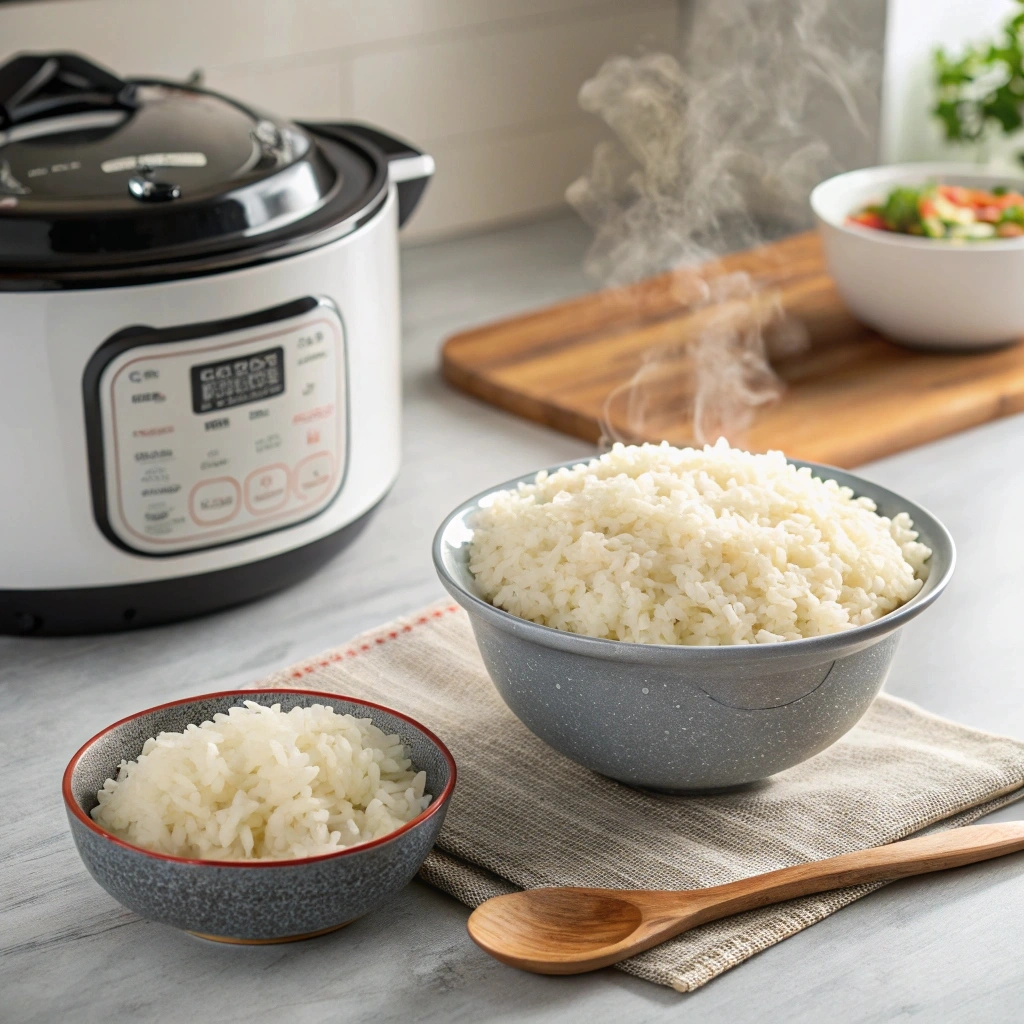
{"points": [[571, 930]]}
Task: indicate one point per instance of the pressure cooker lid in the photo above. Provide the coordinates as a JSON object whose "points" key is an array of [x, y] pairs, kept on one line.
{"points": [[97, 171]]}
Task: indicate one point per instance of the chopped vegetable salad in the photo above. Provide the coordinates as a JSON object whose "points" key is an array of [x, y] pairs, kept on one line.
{"points": [[947, 211]]}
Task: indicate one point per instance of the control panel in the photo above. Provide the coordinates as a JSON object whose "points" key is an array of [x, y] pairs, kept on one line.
{"points": [[219, 437]]}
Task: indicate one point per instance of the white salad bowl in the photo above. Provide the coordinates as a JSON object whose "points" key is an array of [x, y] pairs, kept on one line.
{"points": [[922, 292]]}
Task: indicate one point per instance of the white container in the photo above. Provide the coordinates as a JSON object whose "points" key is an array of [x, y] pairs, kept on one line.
{"points": [[923, 292]]}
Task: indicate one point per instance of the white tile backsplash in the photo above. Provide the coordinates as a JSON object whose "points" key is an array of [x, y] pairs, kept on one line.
{"points": [[307, 91], [504, 176], [496, 80], [364, 23], [140, 36], [487, 86]]}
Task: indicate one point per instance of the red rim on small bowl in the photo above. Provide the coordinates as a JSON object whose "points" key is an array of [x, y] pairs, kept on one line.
{"points": [[436, 803]]}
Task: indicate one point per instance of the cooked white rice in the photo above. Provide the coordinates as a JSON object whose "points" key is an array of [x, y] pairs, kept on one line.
{"points": [[258, 782], [661, 545]]}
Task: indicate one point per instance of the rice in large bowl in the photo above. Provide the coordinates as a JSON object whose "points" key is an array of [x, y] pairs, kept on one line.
{"points": [[684, 716], [698, 547]]}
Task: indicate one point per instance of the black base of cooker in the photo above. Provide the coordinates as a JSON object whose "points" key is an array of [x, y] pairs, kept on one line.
{"points": [[134, 605]]}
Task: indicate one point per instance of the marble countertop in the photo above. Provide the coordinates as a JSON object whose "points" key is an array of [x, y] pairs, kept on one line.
{"points": [[941, 948]]}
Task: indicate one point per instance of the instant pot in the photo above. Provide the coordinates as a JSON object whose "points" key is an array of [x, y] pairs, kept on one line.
{"points": [[199, 341]]}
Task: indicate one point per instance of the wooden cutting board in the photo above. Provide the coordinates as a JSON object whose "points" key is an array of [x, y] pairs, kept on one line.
{"points": [[850, 395]]}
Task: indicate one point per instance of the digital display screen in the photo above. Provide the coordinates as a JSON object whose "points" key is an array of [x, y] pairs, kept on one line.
{"points": [[236, 381]]}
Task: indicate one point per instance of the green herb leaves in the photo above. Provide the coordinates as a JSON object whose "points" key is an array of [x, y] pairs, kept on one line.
{"points": [[982, 90], [900, 211]]}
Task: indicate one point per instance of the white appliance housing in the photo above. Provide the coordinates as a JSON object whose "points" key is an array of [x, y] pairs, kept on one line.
{"points": [[190, 442]]}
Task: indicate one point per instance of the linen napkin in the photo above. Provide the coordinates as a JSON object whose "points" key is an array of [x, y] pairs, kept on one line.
{"points": [[523, 815]]}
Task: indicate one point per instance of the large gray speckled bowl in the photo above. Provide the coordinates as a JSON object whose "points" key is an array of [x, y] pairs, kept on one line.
{"points": [[252, 901], [686, 719]]}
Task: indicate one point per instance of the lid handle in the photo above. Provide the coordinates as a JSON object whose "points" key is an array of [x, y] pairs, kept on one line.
{"points": [[39, 85], [409, 169]]}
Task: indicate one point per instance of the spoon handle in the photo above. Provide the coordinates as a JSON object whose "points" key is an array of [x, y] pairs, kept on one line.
{"points": [[950, 849]]}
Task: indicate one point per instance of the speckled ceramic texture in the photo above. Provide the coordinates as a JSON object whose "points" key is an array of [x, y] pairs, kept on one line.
{"points": [[263, 900], [685, 719]]}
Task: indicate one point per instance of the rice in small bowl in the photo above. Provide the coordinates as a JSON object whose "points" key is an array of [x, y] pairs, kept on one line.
{"points": [[257, 782], [746, 613], [293, 780]]}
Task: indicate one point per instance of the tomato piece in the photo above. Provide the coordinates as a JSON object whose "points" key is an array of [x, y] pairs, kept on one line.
{"points": [[926, 207], [1008, 199], [1009, 230], [988, 214], [868, 219], [955, 194], [977, 197]]}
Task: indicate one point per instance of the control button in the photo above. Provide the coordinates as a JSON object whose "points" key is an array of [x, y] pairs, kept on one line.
{"points": [[321, 412], [215, 501], [153, 460], [266, 489], [167, 428], [313, 475]]}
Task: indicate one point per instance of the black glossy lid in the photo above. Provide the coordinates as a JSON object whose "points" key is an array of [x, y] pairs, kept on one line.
{"points": [[98, 173]]}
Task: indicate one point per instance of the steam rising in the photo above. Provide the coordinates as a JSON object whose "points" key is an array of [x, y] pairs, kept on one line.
{"points": [[718, 157], [713, 382]]}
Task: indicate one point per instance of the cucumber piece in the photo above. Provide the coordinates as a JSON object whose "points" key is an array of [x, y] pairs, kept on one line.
{"points": [[950, 213], [974, 232]]}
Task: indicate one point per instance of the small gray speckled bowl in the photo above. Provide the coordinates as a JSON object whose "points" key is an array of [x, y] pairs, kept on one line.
{"points": [[687, 719], [252, 902]]}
